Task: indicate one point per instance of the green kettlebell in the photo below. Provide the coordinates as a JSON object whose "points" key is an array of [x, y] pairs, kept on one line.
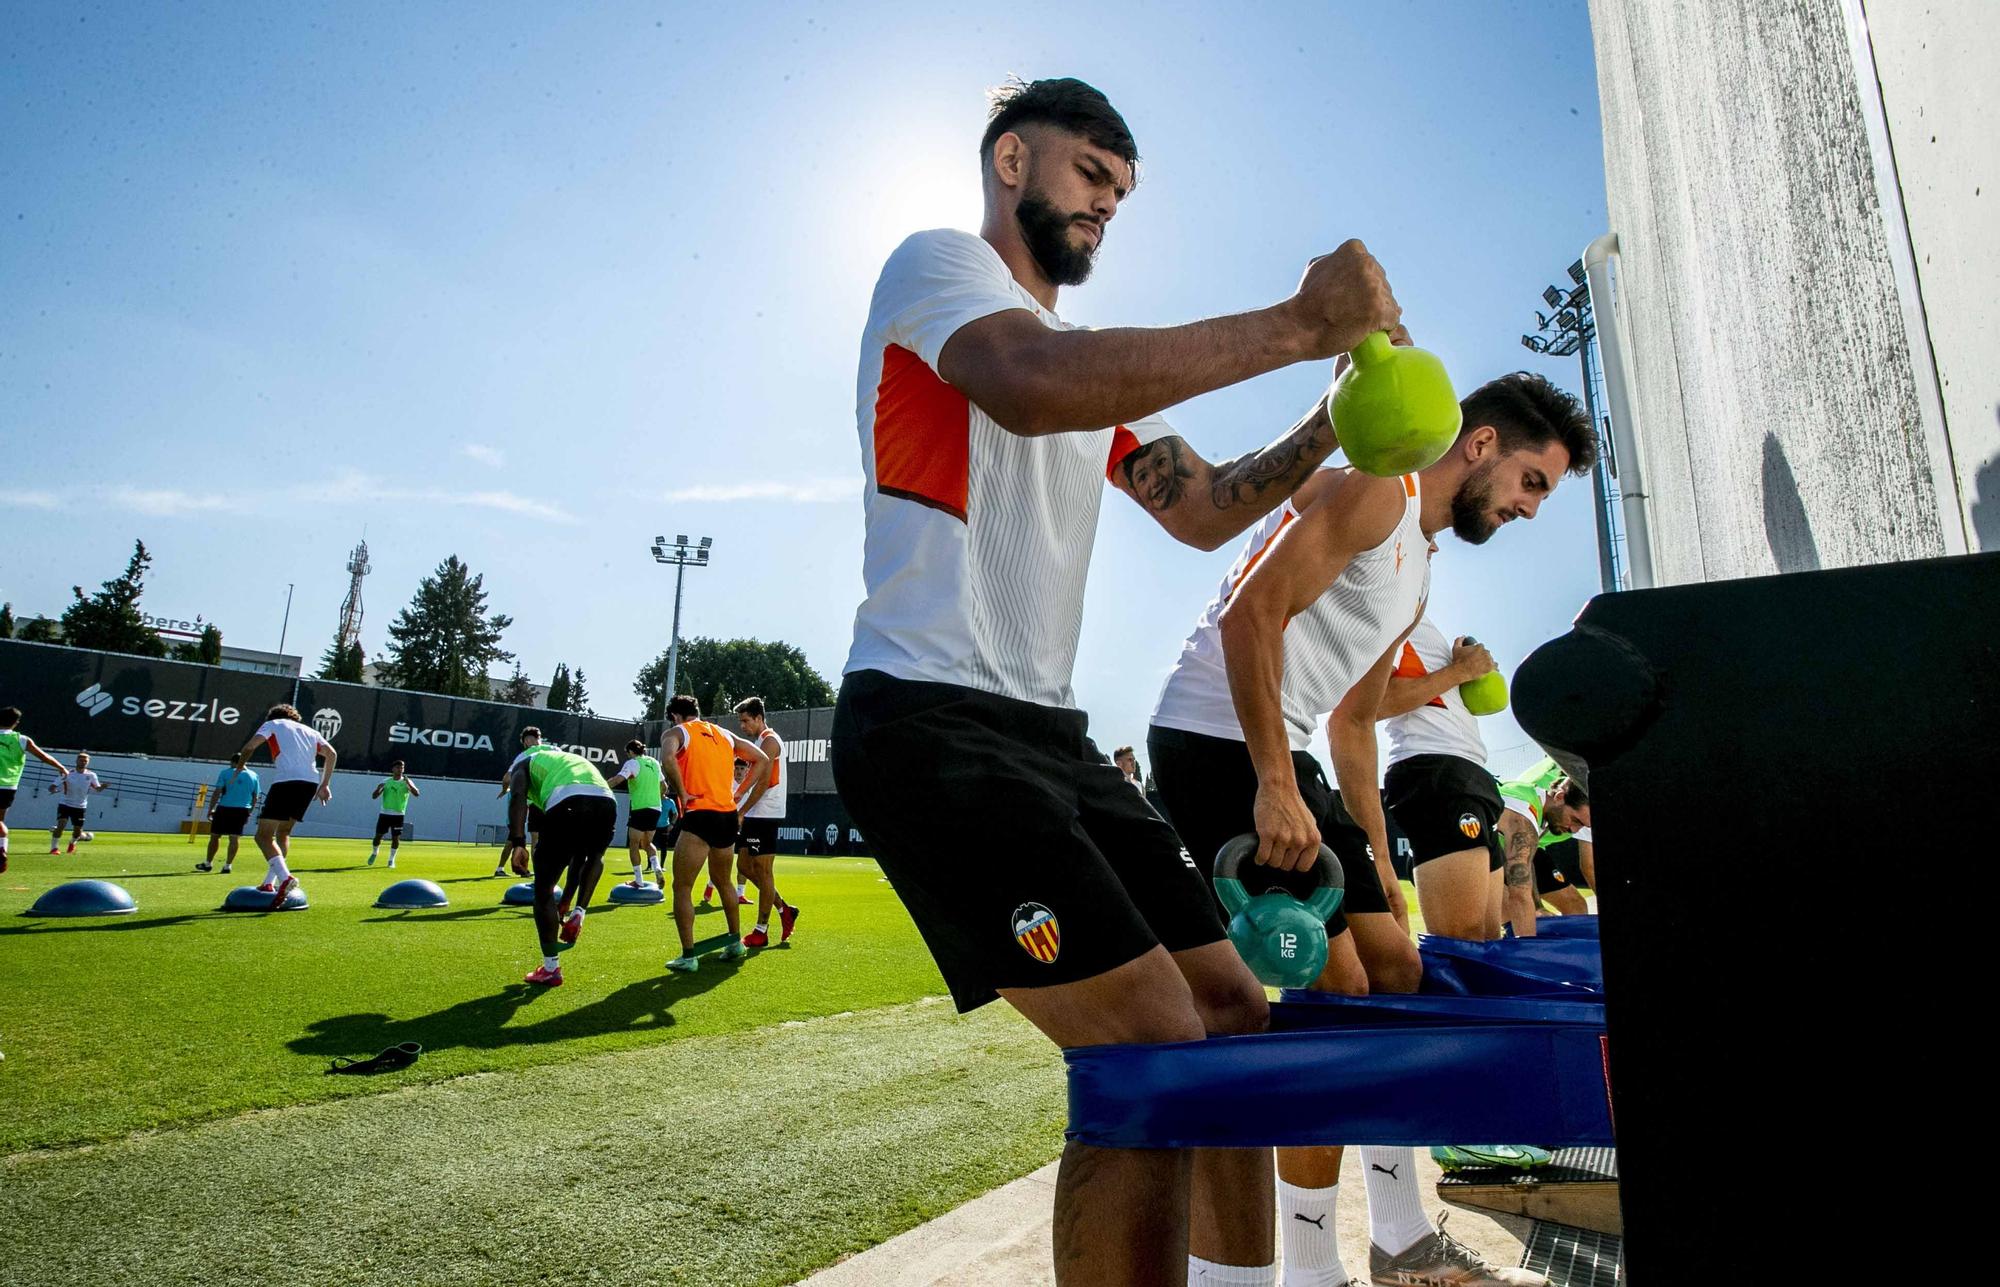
{"points": [[1486, 695], [1280, 937], [1394, 410]]}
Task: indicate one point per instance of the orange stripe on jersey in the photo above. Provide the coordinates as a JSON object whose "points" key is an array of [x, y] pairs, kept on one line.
{"points": [[923, 428], [1123, 443], [707, 761], [1251, 562], [1411, 666], [1410, 485], [777, 762]]}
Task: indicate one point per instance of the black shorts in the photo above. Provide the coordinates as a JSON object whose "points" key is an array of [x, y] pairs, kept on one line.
{"points": [[7, 798], [643, 820], [760, 837], [388, 823], [1024, 857], [288, 801], [1209, 786], [1446, 804], [1559, 865], [76, 813], [716, 826], [576, 830], [229, 819]]}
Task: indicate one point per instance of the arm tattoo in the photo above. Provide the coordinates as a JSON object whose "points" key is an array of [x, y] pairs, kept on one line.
{"points": [[1249, 480], [1520, 860], [1158, 473]]}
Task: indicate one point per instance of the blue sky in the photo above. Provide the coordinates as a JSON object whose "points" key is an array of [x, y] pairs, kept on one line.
{"points": [[531, 285]]}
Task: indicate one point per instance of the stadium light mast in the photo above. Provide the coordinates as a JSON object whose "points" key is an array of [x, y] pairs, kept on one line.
{"points": [[1570, 328], [682, 554]]}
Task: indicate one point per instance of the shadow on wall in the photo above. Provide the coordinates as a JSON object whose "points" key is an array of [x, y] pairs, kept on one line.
{"points": [[1986, 510], [1786, 529]]}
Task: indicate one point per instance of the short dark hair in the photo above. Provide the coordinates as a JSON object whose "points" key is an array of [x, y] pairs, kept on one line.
{"points": [[685, 706], [1574, 796], [282, 711], [1123, 750], [531, 731], [752, 706], [1528, 411], [1065, 103], [9, 716], [395, 764], [635, 747]]}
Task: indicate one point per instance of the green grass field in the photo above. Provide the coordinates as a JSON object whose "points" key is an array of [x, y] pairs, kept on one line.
{"points": [[167, 1117]]}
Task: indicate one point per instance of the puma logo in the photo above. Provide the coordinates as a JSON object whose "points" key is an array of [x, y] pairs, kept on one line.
{"points": [[1318, 1222], [1389, 1171]]}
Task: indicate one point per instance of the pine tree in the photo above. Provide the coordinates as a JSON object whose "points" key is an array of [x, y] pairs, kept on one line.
{"points": [[444, 641], [518, 690], [40, 630], [109, 620], [558, 698], [342, 664], [209, 650], [579, 696], [6, 621]]}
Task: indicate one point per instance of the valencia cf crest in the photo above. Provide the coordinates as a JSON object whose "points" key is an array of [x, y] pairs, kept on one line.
{"points": [[1035, 929], [1469, 824]]}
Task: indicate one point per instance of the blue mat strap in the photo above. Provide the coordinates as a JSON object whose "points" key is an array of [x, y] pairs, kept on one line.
{"points": [[1297, 1009], [1416, 1081], [1510, 967]]}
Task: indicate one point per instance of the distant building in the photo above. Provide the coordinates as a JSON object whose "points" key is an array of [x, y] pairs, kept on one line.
{"points": [[262, 663], [496, 684]]}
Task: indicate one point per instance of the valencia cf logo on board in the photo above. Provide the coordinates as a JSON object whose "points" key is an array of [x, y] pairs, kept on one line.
{"points": [[1469, 824], [1036, 930]]}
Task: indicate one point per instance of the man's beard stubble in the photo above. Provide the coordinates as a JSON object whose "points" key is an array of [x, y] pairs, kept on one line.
{"points": [[1472, 507], [1046, 231]]}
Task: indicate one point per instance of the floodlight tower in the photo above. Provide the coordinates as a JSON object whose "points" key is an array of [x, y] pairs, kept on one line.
{"points": [[682, 555], [350, 607], [1570, 328]]}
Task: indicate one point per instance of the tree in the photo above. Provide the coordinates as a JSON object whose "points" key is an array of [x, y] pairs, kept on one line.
{"points": [[109, 620], [210, 647], [579, 696], [6, 621], [519, 690], [719, 672], [342, 664], [41, 630], [558, 698], [444, 642]]}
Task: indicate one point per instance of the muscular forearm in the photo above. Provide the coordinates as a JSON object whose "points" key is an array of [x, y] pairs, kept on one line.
{"points": [[1241, 491], [1586, 858], [1406, 694], [1353, 745], [1518, 882], [1254, 657]]}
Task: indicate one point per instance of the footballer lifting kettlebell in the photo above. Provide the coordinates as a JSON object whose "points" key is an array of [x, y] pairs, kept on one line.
{"points": [[1280, 937], [1486, 695], [1393, 410]]}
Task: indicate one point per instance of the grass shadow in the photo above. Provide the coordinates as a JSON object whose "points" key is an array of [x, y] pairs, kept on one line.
{"points": [[70, 924], [420, 915]]}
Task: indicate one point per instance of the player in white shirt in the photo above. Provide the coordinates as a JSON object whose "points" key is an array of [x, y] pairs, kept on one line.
{"points": [[1437, 785], [1308, 621], [297, 777], [76, 785], [988, 428], [757, 847]]}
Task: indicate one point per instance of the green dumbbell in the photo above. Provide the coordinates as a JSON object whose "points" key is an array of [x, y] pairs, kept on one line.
{"points": [[1486, 695], [1280, 937], [1394, 410]]}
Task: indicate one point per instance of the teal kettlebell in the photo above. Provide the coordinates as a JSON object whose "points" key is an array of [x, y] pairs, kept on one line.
{"points": [[1281, 937]]}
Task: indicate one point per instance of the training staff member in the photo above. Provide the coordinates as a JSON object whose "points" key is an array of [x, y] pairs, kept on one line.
{"points": [[988, 426], [702, 783], [15, 748], [229, 803], [394, 792], [578, 814], [1309, 621]]}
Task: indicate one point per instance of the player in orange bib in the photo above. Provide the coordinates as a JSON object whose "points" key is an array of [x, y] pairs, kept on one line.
{"points": [[700, 763]]}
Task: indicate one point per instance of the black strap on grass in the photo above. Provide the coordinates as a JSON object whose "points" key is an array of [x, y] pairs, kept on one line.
{"points": [[394, 1059]]}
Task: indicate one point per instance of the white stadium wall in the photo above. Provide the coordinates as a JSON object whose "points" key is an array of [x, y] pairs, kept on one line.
{"points": [[1806, 279]]}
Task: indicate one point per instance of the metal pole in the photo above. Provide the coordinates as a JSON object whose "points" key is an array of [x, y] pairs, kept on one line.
{"points": [[674, 644], [282, 629], [1600, 480]]}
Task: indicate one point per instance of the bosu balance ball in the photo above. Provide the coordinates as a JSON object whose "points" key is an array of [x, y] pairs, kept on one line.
{"points": [[249, 898], [625, 892], [407, 894], [84, 898], [523, 894]]}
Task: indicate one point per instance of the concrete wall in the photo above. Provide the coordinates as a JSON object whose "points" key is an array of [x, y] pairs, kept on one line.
{"points": [[1782, 390]]}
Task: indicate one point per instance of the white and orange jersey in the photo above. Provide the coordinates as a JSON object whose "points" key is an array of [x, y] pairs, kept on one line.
{"points": [[1328, 647], [978, 540], [773, 803], [1441, 726]]}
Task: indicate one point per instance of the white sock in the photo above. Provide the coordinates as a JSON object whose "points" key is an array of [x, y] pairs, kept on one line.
{"points": [[739, 891], [279, 871], [1396, 1218], [374, 849], [551, 963], [578, 913], [638, 871], [1204, 1273], [763, 927], [1307, 1232]]}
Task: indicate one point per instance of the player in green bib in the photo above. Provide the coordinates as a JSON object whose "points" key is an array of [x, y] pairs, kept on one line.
{"points": [[1543, 807], [643, 780], [578, 812], [394, 792], [15, 748]]}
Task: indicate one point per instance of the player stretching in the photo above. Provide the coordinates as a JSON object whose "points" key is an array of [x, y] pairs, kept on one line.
{"points": [[296, 780], [229, 803], [758, 852], [702, 760], [394, 792], [643, 777], [76, 786], [15, 748]]}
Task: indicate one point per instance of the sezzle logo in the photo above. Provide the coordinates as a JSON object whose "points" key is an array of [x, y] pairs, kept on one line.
{"points": [[96, 701], [326, 722]]}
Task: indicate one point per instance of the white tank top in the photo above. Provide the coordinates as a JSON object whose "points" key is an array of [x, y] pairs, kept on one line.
{"points": [[1328, 647], [1442, 726], [773, 803]]}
